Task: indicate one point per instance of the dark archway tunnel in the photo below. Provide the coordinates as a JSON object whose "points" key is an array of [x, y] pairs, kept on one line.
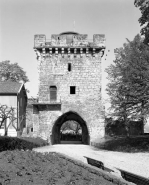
{"points": [[66, 117]]}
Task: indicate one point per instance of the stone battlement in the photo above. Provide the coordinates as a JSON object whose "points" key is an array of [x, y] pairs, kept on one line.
{"points": [[69, 40]]}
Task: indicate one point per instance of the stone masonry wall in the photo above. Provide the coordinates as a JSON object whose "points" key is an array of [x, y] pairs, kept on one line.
{"points": [[87, 102], [32, 121]]}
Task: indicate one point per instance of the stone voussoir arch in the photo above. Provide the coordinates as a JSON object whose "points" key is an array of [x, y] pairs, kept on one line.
{"points": [[71, 115]]}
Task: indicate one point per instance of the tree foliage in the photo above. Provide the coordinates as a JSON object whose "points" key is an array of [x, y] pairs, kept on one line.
{"points": [[144, 19], [12, 72], [71, 126], [128, 86]]}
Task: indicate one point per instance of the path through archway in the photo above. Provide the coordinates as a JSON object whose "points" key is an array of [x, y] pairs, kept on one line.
{"points": [[56, 136]]}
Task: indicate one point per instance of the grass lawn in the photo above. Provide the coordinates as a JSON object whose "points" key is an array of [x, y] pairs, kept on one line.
{"points": [[125, 144], [32, 168]]}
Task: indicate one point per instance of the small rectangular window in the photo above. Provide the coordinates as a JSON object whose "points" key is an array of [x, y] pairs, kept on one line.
{"points": [[32, 129], [72, 89], [69, 66]]}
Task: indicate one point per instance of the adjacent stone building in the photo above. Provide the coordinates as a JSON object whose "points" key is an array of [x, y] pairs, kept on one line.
{"points": [[69, 85]]}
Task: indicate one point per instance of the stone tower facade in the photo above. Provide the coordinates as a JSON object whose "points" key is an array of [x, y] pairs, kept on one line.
{"points": [[69, 85]]}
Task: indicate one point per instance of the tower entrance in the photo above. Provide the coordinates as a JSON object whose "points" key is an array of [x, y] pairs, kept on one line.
{"points": [[77, 131]]}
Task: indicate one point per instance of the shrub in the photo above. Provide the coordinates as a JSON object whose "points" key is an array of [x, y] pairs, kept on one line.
{"points": [[13, 143]]}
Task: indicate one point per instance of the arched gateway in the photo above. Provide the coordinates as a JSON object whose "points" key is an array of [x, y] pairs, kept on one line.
{"points": [[69, 85], [66, 117]]}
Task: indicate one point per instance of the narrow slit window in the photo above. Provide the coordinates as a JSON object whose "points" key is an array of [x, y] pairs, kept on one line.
{"points": [[20, 102], [72, 89], [53, 93], [69, 66]]}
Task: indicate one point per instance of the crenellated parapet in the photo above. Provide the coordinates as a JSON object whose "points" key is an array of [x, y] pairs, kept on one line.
{"points": [[70, 43]]}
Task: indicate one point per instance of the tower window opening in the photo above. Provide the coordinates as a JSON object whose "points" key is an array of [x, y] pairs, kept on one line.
{"points": [[53, 93], [69, 66], [72, 89]]}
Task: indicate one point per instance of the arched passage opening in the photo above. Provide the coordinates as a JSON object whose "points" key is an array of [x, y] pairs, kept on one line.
{"points": [[69, 116], [71, 133]]}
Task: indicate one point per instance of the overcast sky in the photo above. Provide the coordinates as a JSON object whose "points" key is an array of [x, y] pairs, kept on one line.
{"points": [[20, 20]]}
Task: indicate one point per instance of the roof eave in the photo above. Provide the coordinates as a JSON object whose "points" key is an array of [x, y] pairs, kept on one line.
{"points": [[20, 88], [8, 93]]}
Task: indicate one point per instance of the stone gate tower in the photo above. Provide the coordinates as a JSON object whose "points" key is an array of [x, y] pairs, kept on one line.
{"points": [[69, 85]]}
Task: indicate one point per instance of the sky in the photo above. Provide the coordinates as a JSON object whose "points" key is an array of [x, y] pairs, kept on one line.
{"points": [[20, 20]]}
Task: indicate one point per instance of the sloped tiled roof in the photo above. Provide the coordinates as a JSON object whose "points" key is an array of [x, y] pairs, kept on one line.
{"points": [[9, 87]]}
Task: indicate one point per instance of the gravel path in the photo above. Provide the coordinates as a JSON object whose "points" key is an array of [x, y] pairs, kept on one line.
{"points": [[137, 163]]}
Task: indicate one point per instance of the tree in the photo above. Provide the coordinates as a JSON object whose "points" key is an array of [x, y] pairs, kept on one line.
{"points": [[71, 125], [144, 19], [128, 86], [12, 72], [10, 113], [6, 113]]}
